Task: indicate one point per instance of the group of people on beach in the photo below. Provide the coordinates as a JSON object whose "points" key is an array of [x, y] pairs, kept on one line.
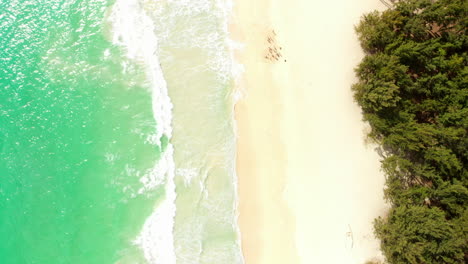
{"points": [[274, 50]]}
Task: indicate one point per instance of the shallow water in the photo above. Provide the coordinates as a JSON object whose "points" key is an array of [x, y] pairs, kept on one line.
{"points": [[197, 65], [107, 112]]}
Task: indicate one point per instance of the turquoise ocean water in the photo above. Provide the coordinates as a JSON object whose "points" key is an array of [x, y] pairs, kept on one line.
{"points": [[117, 139]]}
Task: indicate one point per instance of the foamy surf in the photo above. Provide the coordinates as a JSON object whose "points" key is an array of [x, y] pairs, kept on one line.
{"points": [[156, 238], [134, 30], [190, 38], [195, 52]]}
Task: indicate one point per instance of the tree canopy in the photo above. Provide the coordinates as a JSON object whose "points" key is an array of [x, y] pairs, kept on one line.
{"points": [[413, 90]]}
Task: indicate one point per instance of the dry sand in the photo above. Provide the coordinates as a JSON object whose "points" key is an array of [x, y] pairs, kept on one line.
{"points": [[309, 187]]}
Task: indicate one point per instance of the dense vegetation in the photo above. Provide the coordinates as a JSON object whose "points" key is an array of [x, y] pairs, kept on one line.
{"points": [[413, 90]]}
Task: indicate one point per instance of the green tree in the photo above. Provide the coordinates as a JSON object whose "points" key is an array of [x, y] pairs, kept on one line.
{"points": [[413, 91], [418, 234]]}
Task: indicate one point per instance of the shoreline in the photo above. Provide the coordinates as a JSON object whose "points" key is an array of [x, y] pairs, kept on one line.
{"points": [[295, 122]]}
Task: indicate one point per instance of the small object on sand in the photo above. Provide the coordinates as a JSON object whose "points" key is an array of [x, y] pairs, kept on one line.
{"points": [[349, 238]]}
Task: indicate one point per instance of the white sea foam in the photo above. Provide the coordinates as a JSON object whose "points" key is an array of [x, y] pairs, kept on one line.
{"points": [[220, 49], [134, 30], [215, 42], [156, 238], [187, 174]]}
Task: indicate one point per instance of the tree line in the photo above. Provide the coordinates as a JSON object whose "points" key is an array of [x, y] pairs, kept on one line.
{"points": [[413, 91]]}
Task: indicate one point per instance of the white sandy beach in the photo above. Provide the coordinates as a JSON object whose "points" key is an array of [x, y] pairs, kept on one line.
{"points": [[309, 187]]}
